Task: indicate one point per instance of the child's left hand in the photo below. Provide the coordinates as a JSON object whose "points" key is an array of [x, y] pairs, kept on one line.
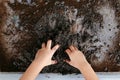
{"points": [[44, 55]]}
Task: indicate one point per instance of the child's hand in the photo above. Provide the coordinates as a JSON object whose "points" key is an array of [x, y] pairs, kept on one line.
{"points": [[45, 54], [42, 59], [77, 58]]}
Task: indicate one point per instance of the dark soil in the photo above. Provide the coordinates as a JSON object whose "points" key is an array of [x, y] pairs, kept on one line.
{"points": [[91, 25]]}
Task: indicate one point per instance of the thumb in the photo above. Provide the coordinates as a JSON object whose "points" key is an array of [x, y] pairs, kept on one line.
{"points": [[55, 48], [53, 62], [68, 52], [69, 62]]}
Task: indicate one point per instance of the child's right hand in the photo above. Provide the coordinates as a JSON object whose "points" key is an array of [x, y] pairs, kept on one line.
{"points": [[77, 58]]}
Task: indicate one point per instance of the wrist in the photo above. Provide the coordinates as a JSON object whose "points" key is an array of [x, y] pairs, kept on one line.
{"points": [[84, 65], [38, 63]]}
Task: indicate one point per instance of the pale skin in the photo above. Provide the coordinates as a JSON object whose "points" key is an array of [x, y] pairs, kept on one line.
{"points": [[78, 60], [43, 58]]}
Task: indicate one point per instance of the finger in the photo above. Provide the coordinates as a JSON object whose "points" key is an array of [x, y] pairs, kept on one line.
{"points": [[53, 62], [68, 51], [55, 48], [69, 62], [72, 48], [49, 42], [75, 48], [43, 45]]}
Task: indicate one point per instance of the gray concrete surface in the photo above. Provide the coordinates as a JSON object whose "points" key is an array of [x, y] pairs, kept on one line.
{"points": [[52, 76]]}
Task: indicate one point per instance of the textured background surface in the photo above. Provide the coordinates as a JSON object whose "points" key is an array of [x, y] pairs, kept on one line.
{"points": [[91, 25]]}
